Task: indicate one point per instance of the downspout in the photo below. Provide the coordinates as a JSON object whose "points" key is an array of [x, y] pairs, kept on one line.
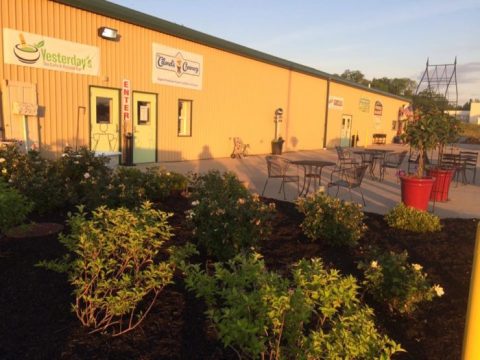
{"points": [[326, 115]]}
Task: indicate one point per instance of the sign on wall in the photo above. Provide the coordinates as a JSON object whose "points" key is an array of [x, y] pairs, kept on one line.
{"points": [[364, 105], [33, 50], [378, 110], [126, 100], [335, 102], [176, 67]]}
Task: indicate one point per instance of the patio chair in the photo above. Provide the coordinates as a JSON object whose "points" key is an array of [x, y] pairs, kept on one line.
{"points": [[277, 168], [345, 157], [453, 161], [350, 178], [239, 148], [392, 161], [469, 159]]}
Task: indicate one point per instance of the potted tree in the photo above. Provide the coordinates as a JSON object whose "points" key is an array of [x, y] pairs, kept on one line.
{"points": [[422, 135], [448, 130]]}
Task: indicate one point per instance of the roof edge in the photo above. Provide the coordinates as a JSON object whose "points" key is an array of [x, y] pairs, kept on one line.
{"points": [[138, 18]]}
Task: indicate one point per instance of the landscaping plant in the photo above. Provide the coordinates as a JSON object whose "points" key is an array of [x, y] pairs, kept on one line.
{"points": [[338, 222], [225, 217], [14, 207], [33, 176], [130, 187], [316, 315], [113, 265], [391, 279], [84, 177], [411, 219]]}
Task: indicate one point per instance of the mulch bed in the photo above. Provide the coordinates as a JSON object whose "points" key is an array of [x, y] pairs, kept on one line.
{"points": [[37, 323]]}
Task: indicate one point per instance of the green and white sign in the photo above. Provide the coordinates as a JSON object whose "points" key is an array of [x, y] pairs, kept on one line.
{"points": [[33, 50]]}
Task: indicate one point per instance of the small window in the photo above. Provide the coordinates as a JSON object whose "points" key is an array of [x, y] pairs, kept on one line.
{"points": [[104, 112], [394, 125], [184, 118], [143, 113]]}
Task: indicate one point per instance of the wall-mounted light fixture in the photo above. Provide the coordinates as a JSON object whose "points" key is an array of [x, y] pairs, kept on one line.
{"points": [[108, 33]]}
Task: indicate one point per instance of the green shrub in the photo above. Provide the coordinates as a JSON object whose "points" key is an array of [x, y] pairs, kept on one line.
{"points": [[316, 315], [389, 278], [14, 207], [33, 176], [336, 221], [84, 177], [130, 187], [408, 218], [113, 265], [226, 218]]}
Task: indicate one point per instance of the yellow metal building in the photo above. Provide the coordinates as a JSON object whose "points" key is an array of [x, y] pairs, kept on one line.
{"points": [[89, 72]]}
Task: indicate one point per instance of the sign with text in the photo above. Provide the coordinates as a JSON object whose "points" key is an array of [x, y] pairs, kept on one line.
{"points": [[364, 105], [126, 100], [24, 109], [33, 50], [176, 67], [335, 102]]}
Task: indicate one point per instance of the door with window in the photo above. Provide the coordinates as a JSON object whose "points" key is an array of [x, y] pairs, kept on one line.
{"points": [[144, 127], [105, 120], [346, 129]]}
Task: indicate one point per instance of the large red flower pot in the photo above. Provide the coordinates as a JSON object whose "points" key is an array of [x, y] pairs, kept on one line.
{"points": [[443, 179], [416, 191]]}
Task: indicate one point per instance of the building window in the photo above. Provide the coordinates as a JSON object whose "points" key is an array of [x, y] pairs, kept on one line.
{"points": [[104, 106], [184, 117], [394, 125]]}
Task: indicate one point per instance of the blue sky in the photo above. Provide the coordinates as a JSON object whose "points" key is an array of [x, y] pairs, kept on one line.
{"points": [[391, 38]]}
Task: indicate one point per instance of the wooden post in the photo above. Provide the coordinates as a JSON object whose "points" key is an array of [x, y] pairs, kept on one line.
{"points": [[471, 339]]}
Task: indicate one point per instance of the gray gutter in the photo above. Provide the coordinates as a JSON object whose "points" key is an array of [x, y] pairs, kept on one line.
{"points": [[134, 17]]}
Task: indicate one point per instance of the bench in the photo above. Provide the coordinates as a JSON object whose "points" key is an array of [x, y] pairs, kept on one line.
{"points": [[380, 139]]}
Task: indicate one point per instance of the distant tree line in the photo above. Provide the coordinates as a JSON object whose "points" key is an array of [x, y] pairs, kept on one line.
{"points": [[404, 87]]}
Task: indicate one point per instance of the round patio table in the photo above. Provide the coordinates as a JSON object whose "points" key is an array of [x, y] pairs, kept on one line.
{"points": [[312, 169], [371, 157]]}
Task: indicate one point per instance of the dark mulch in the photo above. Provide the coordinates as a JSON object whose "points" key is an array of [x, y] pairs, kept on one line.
{"points": [[36, 321]]}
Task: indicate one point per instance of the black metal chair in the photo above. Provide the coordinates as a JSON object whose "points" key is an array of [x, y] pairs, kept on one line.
{"points": [[469, 160], [453, 161], [392, 161], [345, 157], [350, 178], [277, 168]]}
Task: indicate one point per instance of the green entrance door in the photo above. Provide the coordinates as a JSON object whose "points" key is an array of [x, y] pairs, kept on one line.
{"points": [[144, 127], [345, 131], [104, 120]]}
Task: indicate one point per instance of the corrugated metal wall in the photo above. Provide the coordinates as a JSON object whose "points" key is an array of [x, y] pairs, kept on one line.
{"points": [[365, 124], [238, 98]]}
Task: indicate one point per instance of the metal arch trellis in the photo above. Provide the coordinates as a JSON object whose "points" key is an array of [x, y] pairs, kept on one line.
{"points": [[441, 80]]}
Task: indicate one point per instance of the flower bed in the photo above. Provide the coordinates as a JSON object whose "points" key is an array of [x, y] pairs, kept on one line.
{"points": [[38, 323]]}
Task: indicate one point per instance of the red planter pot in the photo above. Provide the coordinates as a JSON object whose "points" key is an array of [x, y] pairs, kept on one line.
{"points": [[416, 191], [441, 186]]}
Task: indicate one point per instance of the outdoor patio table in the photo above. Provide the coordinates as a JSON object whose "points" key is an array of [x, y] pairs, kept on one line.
{"points": [[372, 157], [312, 169]]}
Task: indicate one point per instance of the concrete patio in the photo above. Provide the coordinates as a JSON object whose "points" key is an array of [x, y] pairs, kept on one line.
{"points": [[464, 200]]}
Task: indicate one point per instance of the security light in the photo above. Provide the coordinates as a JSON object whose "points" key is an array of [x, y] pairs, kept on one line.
{"points": [[108, 33]]}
